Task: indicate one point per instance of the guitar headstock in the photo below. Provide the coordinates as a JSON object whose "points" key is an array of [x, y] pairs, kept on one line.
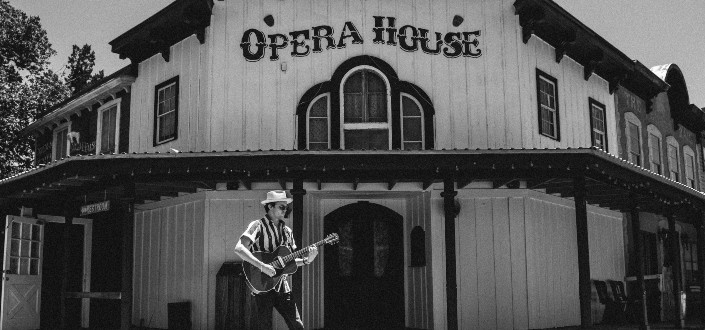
{"points": [[331, 239]]}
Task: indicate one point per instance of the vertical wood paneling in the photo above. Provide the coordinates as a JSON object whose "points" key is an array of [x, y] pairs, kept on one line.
{"points": [[502, 263], [518, 262], [466, 239]]}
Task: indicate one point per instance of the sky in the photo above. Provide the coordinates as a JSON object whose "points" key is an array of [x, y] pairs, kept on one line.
{"points": [[653, 32]]}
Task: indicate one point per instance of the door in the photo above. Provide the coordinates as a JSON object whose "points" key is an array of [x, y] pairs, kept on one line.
{"points": [[22, 267], [364, 272]]}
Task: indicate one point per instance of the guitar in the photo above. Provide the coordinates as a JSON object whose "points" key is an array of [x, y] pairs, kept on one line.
{"points": [[283, 261]]}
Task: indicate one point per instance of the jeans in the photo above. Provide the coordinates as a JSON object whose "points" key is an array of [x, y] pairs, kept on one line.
{"points": [[265, 302]]}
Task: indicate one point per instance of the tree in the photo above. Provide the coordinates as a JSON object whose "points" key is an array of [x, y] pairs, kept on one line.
{"points": [[27, 85], [80, 65]]}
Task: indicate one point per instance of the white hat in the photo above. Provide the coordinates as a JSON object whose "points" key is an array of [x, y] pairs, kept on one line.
{"points": [[277, 196]]}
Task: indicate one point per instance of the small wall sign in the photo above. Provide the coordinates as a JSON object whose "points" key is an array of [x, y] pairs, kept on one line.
{"points": [[95, 208]]}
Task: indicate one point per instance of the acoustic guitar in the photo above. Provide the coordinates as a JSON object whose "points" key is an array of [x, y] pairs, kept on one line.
{"points": [[283, 261]]}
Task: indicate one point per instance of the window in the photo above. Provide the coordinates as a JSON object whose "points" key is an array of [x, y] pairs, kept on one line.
{"points": [[547, 95], [365, 110], [633, 129], [689, 159], [108, 127], [655, 147], [319, 123], [61, 141], [412, 134], [597, 124], [166, 107], [673, 157]]}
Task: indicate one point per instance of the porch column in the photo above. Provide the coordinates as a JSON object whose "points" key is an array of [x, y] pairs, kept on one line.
{"points": [[700, 227], [71, 210], [448, 195], [674, 250], [584, 290], [128, 228], [298, 217], [639, 258]]}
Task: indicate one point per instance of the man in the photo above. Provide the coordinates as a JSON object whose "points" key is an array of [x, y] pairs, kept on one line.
{"points": [[266, 235]]}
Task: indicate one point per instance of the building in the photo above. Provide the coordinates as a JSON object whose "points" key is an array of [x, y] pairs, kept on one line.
{"points": [[471, 155]]}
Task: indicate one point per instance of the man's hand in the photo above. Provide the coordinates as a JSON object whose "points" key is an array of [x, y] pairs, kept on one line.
{"points": [[312, 253], [268, 269]]}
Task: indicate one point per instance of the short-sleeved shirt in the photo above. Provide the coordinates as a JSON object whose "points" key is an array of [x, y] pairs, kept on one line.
{"points": [[267, 236]]}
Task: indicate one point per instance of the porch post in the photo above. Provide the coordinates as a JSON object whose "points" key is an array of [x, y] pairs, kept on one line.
{"points": [[448, 195], [298, 213], [70, 211], [700, 227], [128, 228], [584, 290], [674, 250], [639, 258]]}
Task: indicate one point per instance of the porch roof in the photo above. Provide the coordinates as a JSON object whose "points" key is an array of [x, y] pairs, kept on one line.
{"points": [[610, 182]]}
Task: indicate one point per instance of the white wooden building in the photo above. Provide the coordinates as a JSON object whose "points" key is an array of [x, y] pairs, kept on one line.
{"points": [[466, 151]]}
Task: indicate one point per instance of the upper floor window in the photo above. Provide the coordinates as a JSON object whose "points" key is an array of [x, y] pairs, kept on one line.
{"points": [[633, 129], [673, 159], [412, 134], [319, 123], [365, 106], [597, 124], [166, 107], [365, 110], [62, 144], [689, 164], [108, 127], [655, 147], [547, 96]]}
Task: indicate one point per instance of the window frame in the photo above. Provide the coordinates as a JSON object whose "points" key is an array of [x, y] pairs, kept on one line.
{"points": [[172, 81], [671, 141], [630, 118], [540, 75], [594, 103], [687, 151], [54, 143], [99, 130], [653, 130], [308, 116], [362, 126], [402, 95]]}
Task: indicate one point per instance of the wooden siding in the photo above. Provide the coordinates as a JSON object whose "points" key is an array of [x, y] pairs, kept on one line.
{"points": [[228, 103], [189, 61], [517, 259], [168, 262]]}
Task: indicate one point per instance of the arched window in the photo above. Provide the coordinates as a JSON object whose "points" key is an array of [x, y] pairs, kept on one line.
{"points": [[365, 106], [655, 149], [365, 109], [318, 120], [412, 133], [633, 130], [673, 158], [689, 164]]}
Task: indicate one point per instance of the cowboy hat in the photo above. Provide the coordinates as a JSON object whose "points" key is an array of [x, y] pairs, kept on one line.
{"points": [[276, 196]]}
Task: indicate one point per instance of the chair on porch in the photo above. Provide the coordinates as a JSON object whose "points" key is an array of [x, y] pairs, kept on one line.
{"points": [[627, 304], [614, 311]]}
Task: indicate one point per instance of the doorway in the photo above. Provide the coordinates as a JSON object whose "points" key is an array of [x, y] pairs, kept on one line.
{"points": [[364, 272]]}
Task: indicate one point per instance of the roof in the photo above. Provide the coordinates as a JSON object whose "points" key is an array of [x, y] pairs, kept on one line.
{"points": [[156, 34], [611, 182], [569, 36], [110, 85]]}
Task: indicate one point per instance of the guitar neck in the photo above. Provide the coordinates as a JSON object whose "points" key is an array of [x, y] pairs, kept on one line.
{"points": [[301, 252]]}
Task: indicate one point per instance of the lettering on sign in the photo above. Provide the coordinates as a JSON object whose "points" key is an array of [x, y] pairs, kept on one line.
{"points": [[409, 38], [95, 208]]}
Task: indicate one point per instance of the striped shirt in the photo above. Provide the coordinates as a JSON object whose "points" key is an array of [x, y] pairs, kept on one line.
{"points": [[267, 236]]}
